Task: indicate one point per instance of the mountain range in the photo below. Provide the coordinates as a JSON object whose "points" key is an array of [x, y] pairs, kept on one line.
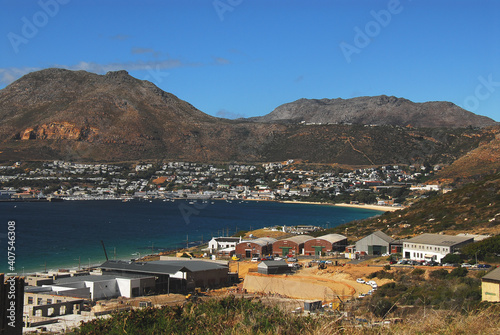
{"points": [[81, 116], [378, 110]]}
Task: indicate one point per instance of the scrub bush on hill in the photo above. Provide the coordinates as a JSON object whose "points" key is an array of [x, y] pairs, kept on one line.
{"points": [[226, 316], [442, 290], [486, 248]]}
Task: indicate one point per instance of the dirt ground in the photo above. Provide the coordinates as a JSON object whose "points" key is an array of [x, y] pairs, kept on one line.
{"points": [[308, 282]]}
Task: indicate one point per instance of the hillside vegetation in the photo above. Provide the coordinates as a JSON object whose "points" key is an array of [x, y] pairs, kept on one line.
{"points": [[243, 316], [473, 208]]}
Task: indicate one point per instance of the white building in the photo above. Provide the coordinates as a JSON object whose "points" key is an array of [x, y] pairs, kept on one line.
{"points": [[433, 246], [97, 287], [219, 243]]}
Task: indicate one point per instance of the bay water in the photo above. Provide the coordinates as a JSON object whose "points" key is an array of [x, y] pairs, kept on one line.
{"points": [[50, 236]]}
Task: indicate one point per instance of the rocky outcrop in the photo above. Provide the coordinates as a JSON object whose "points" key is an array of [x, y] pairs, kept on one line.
{"points": [[58, 131]]}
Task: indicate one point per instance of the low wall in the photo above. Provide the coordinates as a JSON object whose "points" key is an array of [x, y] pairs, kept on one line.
{"points": [[296, 287]]}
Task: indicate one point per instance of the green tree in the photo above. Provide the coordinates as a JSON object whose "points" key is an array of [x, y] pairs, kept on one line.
{"points": [[451, 258]]}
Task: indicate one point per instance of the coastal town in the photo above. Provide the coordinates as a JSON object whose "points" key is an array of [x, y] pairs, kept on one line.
{"points": [[385, 185], [303, 270]]}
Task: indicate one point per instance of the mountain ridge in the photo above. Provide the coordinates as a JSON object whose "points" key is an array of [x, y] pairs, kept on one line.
{"points": [[77, 115], [376, 110]]}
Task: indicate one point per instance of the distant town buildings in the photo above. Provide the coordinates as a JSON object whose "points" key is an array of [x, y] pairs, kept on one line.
{"points": [[196, 181]]}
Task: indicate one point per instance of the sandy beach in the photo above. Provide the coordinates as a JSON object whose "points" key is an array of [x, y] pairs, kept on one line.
{"points": [[373, 207]]}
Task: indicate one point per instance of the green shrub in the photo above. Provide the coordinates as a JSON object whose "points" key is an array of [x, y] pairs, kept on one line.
{"points": [[458, 272], [226, 316], [438, 274], [381, 275], [381, 306]]}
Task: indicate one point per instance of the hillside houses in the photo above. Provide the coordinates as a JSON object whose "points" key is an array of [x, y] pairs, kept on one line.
{"points": [[271, 181]]}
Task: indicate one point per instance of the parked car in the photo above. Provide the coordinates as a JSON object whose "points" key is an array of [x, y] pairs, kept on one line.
{"points": [[402, 261], [392, 262], [278, 258], [255, 259], [292, 259], [483, 266], [359, 280], [328, 262], [466, 265]]}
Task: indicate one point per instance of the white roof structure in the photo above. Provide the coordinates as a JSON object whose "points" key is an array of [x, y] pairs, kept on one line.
{"points": [[332, 238], [439, 240]]}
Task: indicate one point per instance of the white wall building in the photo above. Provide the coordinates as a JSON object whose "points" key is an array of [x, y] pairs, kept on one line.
{"points": [[433, 246], [219, 243], [103, 287]]}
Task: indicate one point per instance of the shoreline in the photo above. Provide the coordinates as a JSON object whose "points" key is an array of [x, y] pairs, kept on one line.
{"points": [[372, 207]]}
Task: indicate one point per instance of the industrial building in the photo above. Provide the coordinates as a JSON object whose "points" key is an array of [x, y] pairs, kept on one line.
{"points": [[433, 247], [291, 246], [323, 244], [377, 243], [255, 248]]}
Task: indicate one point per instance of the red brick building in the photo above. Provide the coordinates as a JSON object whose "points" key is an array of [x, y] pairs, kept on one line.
{"points": [[255, 248], [327, 243], [291, 246]]}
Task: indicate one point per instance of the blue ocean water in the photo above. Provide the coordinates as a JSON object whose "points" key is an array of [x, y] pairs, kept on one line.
{"points": [[60, 235]]}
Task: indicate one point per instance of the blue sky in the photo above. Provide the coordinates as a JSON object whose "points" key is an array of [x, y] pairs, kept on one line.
{"points": [[242, 58]]}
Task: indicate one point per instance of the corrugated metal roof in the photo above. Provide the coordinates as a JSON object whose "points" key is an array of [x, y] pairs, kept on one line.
{"points": [[272, 264], [493, 275], [192, 264], [227, 239], [143, 267], [263, 241], [299, 239], [332, 238], [380, 234], [94, 278], [440, 240]]}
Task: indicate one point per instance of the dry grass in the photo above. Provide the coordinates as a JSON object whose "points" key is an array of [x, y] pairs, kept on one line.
{"points": [[480, 322]]}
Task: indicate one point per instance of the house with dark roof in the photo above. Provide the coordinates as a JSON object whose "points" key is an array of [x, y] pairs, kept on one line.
{"points": [[174, 275], [490, 286], [433, 247], [377, 243]]}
